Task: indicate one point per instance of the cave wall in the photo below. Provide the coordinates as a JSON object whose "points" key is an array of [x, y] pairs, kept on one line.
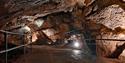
{"points": [[102, 19]]}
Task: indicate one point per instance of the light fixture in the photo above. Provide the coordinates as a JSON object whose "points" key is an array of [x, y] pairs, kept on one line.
{"points": [[76, 44]]}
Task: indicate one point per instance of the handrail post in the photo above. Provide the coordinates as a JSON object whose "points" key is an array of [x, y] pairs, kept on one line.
{"points": [[6, 43], [24, 44], [31, 41]]}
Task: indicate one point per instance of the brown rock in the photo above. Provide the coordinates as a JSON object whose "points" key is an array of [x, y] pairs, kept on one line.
{"points": [[113, 19]]}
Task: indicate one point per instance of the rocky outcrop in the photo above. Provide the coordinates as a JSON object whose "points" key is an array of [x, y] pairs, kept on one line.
{"points": [[28, 16], [111, 26]]}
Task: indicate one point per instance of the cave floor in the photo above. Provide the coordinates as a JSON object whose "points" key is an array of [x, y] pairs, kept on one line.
{"points": [[45, 54]]}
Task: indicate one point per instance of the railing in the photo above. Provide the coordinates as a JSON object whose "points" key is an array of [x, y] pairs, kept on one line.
{"points": [[73, 31], [6, 33]]}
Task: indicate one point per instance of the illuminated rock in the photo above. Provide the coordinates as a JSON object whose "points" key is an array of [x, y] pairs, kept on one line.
{"points": [[112, 20], [112, 17]]}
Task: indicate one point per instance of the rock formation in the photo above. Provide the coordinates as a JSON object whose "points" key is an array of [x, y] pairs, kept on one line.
{"points": [[112, 19], [51, 21]]}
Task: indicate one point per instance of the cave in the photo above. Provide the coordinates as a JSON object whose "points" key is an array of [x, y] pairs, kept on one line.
{"points": [[62, 31]]}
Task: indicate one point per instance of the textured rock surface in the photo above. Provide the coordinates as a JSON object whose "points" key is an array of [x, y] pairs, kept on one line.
{"points": [[113, 19], [107, 48], [106, 20]]}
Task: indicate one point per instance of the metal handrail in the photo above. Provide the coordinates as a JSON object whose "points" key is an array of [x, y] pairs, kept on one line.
{"points": [[12, 33], [5, 39], [6, 32], [107, 39], [3, 51]]}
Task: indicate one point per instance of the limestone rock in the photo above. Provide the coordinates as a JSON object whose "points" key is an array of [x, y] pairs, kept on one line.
{"points": [[107, 48], [112, 17], [113, 20]]}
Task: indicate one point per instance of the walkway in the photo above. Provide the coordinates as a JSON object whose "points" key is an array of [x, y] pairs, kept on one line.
{"points": [[45, 54]]}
